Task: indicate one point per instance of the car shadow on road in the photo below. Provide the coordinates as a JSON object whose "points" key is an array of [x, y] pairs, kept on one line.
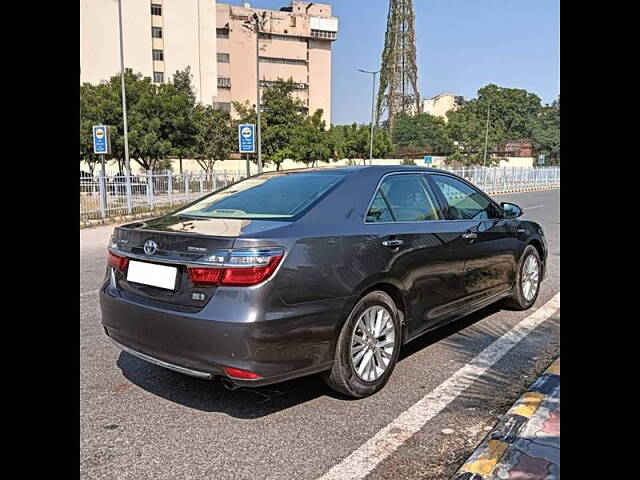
{"points": [[251, 403], [212, 396]]}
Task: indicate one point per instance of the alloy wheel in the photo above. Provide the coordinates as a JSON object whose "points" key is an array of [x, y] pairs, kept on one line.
{"points": [[530, 277], [372, 343]]}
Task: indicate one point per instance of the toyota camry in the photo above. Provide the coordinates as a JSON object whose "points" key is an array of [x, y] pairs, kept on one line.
{"points": [[329, 271]]}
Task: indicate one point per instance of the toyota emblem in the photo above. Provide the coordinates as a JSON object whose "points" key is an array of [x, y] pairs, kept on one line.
{"points": [[150, 247]]}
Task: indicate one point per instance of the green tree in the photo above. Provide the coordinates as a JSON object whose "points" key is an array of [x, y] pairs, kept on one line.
{"points": [[545, 133], [310, 141], [214, 138], [510, 114], [422, 132], [180, 102]]}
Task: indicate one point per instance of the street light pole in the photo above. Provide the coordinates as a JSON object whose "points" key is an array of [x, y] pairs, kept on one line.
{"points": [[256, 25], [124, 96], [373, 98], [486, 135]]}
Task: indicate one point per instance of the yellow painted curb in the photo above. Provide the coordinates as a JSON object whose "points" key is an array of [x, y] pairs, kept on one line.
{"points": [[554, 368], [487, 461], [527, 404]]}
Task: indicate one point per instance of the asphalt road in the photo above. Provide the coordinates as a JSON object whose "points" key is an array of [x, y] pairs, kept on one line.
{"points": [[140, 421]]}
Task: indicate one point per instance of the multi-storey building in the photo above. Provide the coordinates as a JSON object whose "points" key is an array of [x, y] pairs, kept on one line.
{"points": [[439, 105], [295, 43], [159, 37]]}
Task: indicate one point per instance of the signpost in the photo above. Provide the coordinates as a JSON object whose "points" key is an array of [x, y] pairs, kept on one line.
{"points": [[428, 160], [102, 147], [247, 141], [541, 159]]}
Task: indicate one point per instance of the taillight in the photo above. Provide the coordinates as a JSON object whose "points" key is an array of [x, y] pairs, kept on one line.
{"points": [[118, 262], [205, 276], [238, 268], [241, 374]]}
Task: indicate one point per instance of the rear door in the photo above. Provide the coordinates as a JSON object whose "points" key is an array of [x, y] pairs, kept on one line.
{"points": [[489, 242], [417, 247]]}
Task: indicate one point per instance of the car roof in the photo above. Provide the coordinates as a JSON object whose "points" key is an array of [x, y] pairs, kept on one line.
{"points": [[358, 168]]}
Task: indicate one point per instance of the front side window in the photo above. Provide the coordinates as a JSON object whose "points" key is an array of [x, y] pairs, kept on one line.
{"points": [[406, 198], [268, 196], [463, 201]]}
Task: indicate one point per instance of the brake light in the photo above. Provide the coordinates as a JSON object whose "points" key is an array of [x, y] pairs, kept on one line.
{"points": [[238, 268], [241, 374], [118, 262]]}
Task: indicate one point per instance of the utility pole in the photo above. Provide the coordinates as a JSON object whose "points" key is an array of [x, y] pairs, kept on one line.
{"points": [[124, 95], [486, 135], [256, 25], [373, 101]]}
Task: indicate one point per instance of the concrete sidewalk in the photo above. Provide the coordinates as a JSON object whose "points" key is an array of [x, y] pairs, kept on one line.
{"points": [[525, 444]]}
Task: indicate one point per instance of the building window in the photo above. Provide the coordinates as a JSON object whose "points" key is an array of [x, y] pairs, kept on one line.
{"points": [[156, 9], [158, 55], [222, 33], [156, 32], [286, 38], [297, 86], [293, 21], [224, 106], [224, 82], [223, 57], [323, 34], [158, 77], [283, 61]]}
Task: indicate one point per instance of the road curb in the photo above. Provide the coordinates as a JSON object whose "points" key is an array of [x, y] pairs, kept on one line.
{"points": [[156, 213], [501, 448]]}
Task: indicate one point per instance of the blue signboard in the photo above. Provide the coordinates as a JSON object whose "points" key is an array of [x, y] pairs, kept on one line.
{"points": [[101, 140], [541, 159], [247, 138], [428, 160]]}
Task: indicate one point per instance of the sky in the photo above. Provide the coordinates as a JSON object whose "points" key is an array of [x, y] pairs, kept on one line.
{"points": [[462, 45]]}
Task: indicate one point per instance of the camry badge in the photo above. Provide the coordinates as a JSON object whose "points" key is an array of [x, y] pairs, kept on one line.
{"points": [[150, 247]]}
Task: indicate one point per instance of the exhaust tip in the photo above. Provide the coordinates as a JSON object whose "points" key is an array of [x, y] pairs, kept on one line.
{"points": [[228, 384]]}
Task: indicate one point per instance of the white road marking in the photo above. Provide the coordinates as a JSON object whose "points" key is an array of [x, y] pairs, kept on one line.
{"points": [[531, 208], [86, 294], [363, 460]]}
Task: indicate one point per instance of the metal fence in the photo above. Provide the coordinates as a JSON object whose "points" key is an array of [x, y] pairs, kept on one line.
{"points": [[495, 180], [115, 195]]}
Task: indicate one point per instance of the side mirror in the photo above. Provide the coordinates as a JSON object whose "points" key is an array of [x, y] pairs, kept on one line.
{"points": [[511, 210]]}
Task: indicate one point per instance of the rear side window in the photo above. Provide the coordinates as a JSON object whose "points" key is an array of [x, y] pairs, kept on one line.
{"points": [[405, 198], [268, 196], [463, 201]]}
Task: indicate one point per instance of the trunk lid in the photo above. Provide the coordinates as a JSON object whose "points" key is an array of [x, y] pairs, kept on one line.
{"points": [[179, 241]]}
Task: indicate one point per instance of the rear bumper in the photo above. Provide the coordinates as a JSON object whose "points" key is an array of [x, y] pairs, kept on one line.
{"points": [[282, 345]]}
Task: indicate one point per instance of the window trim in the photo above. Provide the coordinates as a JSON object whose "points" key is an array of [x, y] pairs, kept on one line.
{"points": [[443, 201], [425, 184]]}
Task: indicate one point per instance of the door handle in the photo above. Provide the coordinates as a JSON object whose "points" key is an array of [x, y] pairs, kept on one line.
{"points": [[393, 243], [469, 236]]}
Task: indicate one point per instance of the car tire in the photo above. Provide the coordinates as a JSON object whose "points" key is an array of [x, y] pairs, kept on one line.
{"points": [[350, 375], [523, 299]]}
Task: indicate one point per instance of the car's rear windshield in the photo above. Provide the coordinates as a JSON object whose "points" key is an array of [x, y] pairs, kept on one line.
{"points": [[269, 196]]}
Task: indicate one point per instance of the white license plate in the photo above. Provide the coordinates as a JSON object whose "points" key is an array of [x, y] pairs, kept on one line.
{"points": [[161, 276]]}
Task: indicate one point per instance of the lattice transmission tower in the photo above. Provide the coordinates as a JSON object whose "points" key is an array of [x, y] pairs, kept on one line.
{"points": [[398, 92]]}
